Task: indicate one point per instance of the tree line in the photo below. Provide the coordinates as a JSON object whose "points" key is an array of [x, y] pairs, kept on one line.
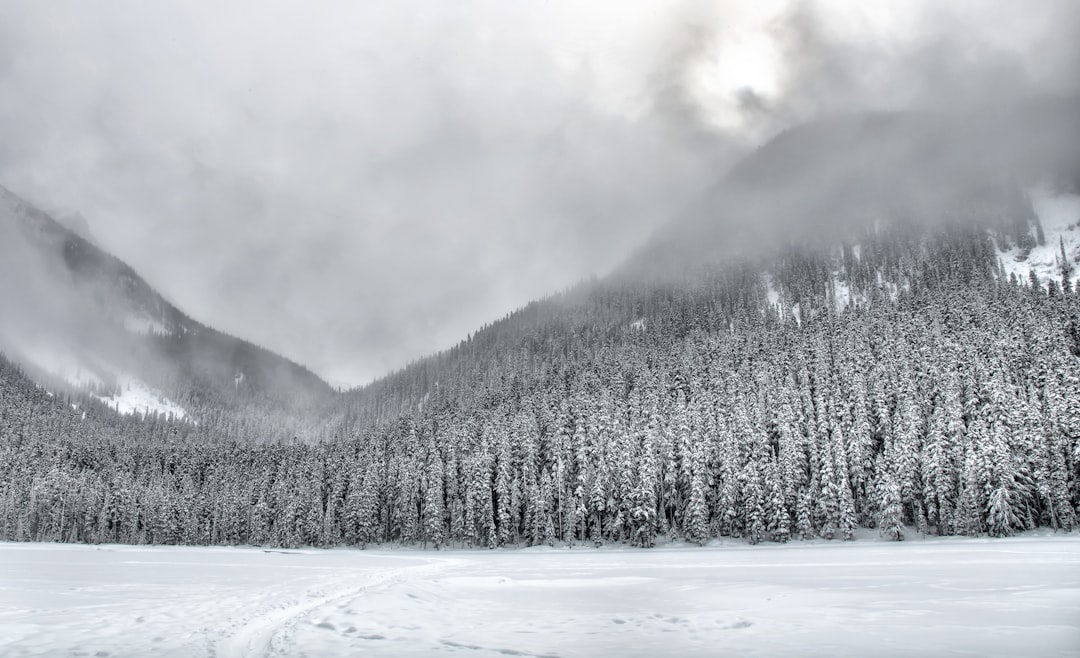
{"points": [[944, 399]]}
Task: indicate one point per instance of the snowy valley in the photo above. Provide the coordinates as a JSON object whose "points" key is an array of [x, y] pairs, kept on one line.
{"points": [[830, 406]]}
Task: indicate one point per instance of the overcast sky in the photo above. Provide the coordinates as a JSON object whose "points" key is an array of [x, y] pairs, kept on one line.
{"points": [[358, 184]]}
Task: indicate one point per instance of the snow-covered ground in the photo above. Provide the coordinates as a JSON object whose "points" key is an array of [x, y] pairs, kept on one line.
{"points": [[958, 597]]}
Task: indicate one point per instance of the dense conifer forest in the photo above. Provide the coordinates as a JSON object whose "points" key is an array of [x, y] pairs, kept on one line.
{"points": [[900, 382]]}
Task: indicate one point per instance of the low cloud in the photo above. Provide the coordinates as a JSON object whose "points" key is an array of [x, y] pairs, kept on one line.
{"points": [[356, 185]]}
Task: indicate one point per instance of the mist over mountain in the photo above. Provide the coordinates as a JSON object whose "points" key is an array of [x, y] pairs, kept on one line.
{"points": [[870, 322], [381, 185], [671, 283], [834, 195], [828, 180], [85, 322], [838, 295]]}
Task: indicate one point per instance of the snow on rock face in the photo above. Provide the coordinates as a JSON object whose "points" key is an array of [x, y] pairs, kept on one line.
{"points": [[135, 397], [1059, 215]]}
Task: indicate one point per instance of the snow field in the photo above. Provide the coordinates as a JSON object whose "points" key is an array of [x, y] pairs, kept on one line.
{"points": [[135, 397], [959, 597]]}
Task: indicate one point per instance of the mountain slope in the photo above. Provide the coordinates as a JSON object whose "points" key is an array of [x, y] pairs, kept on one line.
{"points": [[76, 314], [839, 211], [828, 181]]}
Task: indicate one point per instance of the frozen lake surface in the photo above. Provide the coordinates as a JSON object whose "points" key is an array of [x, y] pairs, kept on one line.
{"points": [[954, 597]]}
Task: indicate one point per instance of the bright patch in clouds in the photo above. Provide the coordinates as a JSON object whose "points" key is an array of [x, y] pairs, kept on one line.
{"points": [[740, 71]]}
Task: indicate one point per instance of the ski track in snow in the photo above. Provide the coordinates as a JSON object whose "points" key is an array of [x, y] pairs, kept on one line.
{"points": [[272, 627]]}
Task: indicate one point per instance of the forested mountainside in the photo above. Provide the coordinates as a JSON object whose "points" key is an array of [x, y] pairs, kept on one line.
{"points": [[82, 321], [901, 374], [951, 407], [834, 213]]}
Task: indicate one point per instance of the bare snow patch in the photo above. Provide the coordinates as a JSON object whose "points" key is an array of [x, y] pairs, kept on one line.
{"points": [[135, 397]]}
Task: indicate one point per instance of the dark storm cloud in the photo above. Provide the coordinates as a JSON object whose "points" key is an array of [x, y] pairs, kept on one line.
{"points": [[358, 184]]}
